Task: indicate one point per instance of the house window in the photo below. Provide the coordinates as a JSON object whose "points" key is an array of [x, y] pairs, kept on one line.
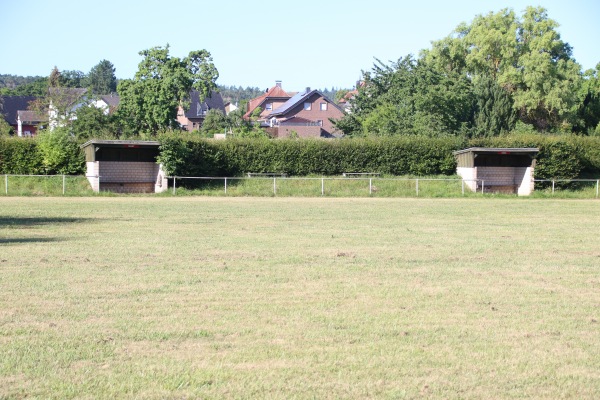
{"points": [[307, 106], [323, 106], [269, 106]]}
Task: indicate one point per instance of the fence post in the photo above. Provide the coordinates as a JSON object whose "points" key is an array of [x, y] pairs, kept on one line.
{"points": [[64, 184], [552, 186], [597, 186], [322, 186], [482, 186], [174, 185], [463, 186], [370, 186], [6, 183], [275, 186], [417, 187], [225, 185]]}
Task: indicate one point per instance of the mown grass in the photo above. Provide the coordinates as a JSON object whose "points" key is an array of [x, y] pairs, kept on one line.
{"points": [[197, 297]]}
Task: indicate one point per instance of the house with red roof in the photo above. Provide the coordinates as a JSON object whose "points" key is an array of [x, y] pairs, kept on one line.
{"points": [[269, 101], [306, 114]]}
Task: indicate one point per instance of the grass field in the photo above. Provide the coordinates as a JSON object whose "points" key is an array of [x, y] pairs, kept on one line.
{"points": [[197, 297]]}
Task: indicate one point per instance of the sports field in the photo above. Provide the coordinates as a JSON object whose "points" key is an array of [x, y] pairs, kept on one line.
{"points": [[196, 297]]}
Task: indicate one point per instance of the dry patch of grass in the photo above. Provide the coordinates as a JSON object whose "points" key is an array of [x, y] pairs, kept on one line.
{"points": [[279, 298]]}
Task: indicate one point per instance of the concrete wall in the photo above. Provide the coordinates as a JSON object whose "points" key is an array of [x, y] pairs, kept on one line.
{"points": [[126, 176], [499, 179]]}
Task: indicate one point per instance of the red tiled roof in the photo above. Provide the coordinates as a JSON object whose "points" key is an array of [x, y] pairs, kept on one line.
{"points": [[274, 92]]}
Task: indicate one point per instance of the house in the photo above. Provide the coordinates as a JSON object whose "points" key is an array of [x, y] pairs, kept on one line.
{"points": [[269, 101], [346, 101], [107, 103], [306, 114], [23, 122], [192, 118], [64, 102], [230, 107]]}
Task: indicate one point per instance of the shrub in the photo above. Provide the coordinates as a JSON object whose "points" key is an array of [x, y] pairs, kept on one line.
{"points": [[60, 152]]}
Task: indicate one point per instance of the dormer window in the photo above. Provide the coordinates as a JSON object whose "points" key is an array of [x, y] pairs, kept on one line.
{"points": [[269, 106]]}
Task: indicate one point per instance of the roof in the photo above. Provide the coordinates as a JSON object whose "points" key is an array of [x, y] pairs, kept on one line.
{"points": [[121, 143], [276, 92], [70, 95], [112, 100], [297, 99], [31, 116], [499, 150], [13, 104], [198, 109]]}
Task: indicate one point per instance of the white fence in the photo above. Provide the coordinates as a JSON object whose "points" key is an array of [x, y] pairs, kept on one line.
{"points": [[278, 179], [273, 183]]}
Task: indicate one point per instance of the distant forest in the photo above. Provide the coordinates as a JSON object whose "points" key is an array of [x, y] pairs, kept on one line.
{"points": [[15, 85]]}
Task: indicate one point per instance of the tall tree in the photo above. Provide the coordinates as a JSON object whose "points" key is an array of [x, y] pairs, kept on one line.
{"points": [[54, 80], [102, 79], [525, 56], [149, 102]]}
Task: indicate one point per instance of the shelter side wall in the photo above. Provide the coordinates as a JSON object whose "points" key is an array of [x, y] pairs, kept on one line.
{"points": [[526, 180], [469, 175], [92, 173]]}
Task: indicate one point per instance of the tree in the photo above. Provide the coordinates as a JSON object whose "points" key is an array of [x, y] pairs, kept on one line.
{"points": [[214, 122], [92, 122], [588, 113], [102, 79], [149, 102], [525, 56], [495, 113], [54, 80], [72, 79]]}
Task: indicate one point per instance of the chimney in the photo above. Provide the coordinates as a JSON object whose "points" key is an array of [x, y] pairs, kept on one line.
{"points": [[307, 89], [278, 84]]}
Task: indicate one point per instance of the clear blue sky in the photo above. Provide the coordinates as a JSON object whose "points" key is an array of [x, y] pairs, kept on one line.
{"points": [[316, 43]]}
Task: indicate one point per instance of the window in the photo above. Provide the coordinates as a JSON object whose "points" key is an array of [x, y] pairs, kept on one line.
{"points": [[307, 106], [269, 106], [323, 106]]}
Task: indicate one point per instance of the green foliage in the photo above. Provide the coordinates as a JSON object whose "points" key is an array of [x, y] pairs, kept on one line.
{"points": [[410, 97], [91, 123], [11, 85], [60, 152], [102, 79], [494, 113], [149, 102], [19, 156], [395, 156], [214, 122], [5, 128], [525, 56]]}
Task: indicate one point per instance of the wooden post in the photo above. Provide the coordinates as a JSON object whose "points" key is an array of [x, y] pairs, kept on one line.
{"points": [[225, 185]]}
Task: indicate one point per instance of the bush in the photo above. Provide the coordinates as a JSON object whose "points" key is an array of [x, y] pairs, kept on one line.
{"points": [[19, 156], [60, 152]]}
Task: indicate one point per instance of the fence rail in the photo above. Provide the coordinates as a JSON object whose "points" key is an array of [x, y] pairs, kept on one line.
{"points": [[324, 185]]}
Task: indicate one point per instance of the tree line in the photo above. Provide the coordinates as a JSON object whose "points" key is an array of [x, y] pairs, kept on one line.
{"points": [[499, 73]]}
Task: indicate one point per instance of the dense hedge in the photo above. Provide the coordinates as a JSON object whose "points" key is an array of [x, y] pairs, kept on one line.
{"points": [[559, 157], [394, 156], [49, 153]]}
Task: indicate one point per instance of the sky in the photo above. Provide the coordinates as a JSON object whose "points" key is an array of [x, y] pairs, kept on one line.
{"points": [[311, 43]]}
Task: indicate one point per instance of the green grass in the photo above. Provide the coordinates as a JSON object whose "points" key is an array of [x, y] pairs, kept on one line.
{"points": [[199, 297]]}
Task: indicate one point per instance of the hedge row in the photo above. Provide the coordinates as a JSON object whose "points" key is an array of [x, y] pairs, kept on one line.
{"points": [[49, 153], [417, 156], [559, 157]]}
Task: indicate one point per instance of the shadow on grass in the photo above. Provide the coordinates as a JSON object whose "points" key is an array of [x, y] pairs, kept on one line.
{"points": [[29, 240], [37, 221]]}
